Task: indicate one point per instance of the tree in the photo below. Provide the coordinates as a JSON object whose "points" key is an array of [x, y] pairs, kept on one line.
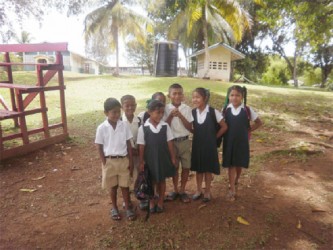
{"points": [[256, 61], [306, 24], [202, 22], [142, 54], [315, 20], [112, 21], [25, 37], [16, 11]]}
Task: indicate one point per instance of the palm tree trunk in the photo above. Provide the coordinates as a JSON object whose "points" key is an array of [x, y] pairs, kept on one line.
{"points": [[205, 32], [116, 72]]}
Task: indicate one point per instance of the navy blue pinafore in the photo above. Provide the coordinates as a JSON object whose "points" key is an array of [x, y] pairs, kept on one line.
{"points": [[236, 149]]}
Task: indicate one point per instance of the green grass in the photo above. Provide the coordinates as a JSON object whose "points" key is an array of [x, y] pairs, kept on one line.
{"points": [[85, 95]]}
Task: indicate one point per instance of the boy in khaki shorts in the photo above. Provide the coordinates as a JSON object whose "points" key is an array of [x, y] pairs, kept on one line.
{"points": [[179, 117], [115, 151]]}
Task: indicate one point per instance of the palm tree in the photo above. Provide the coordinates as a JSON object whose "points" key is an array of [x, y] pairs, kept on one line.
{"points": [[25, 37], [112, 21], [210, 21]]}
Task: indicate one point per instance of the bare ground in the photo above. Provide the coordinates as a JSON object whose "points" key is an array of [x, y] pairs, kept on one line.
{"points": [[286, 196]]}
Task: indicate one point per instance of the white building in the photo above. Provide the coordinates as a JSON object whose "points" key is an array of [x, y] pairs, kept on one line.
{"points": [[72, 61], [220, 58]]}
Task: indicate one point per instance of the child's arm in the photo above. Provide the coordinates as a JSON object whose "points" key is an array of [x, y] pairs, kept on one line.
{"points": [[223, 128], [172, 153], [101, 153], [141, 157], [257, 123], [130, 156], [186, 123], [169, 118]]}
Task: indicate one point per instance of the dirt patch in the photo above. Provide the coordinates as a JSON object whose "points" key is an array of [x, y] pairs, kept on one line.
{"points": [[286, 196]]}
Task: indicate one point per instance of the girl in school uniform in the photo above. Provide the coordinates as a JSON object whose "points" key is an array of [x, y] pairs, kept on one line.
{"points": [[204, 159], [236, 151], [156, 151]]}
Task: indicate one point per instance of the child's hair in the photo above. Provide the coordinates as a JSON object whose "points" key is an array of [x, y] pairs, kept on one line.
{"points": [[239, 89], [111, 103], [205, 93], [155, 105], [154, 96], [175, 86], [126, 98]]}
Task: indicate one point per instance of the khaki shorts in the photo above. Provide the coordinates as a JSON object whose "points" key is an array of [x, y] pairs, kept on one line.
{"points": [[115, 172], [183, 153]]}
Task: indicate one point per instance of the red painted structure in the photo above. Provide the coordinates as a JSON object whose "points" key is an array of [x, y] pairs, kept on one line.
{"points": [[22, 95]]}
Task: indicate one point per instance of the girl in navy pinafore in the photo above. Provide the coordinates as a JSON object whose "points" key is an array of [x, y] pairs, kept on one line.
{"points": [[204, 159], [236, 149], [156, 151]]}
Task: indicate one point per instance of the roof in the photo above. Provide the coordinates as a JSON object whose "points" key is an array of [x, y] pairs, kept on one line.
{"points": [[235, 54]]}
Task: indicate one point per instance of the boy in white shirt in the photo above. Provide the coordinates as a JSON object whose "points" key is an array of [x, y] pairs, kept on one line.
{"points": [[128, 104], [179, 117], [115, 151]]}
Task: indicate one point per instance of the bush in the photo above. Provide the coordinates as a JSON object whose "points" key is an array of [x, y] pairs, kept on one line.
{"points": [[312, 76], [277, 72]]}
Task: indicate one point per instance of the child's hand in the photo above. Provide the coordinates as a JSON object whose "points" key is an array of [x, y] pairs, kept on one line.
{"points": [[135, 151], [175, 112]]}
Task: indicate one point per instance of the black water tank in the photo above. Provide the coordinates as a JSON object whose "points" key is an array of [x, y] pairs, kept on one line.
{"points": [[165, 59]]}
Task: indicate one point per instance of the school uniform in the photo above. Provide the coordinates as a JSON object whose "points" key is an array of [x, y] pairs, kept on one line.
{"points": [[182, 144], [236, 149], [115, 171], [156, 155], [204, 152], [134, 127]]}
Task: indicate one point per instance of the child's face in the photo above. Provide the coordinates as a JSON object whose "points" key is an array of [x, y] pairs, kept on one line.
{"points": [[235, 98], [129, 107], [156, 115], [176, 96], [161, 98], [198, 100], [113, 114]]}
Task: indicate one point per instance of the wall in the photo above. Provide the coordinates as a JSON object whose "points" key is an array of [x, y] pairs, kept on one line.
{"points": [[219, 65]]}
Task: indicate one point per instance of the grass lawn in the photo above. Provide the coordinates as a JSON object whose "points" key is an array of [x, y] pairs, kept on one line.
{"points": [[85, 95]]}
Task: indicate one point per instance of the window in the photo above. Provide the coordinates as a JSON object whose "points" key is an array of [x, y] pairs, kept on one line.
{"points": [[225, 66], [212, 65]]}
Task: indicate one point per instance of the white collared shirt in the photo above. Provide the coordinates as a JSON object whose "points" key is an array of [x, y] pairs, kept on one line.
{"points": [[134, 126], [202, 116], [236, 111], [141, 136], [114, 141], [177, 127]]}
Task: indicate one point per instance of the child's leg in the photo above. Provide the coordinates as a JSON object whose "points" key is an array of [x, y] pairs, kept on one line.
{"points": [[199, 178], [125, 192], [232, 177], [113, 195], [238, 174], [208, 180], [129, 212], [184, 178], [175, 180], [161, 189], [152, 201]]}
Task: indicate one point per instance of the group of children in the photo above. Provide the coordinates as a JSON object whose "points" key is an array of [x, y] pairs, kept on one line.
{"points": [[158, 139]]}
